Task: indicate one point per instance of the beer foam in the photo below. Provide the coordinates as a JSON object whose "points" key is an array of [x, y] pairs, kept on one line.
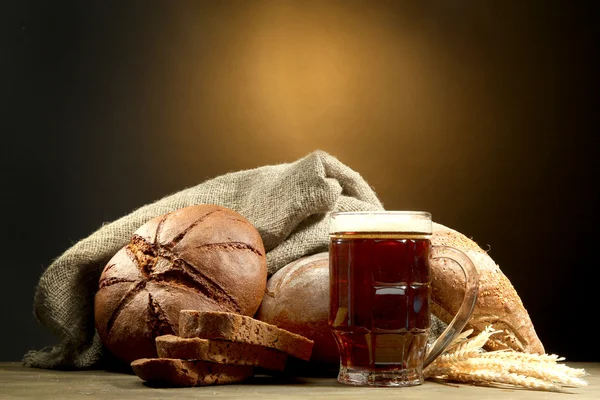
{"points": [[381, 221]]}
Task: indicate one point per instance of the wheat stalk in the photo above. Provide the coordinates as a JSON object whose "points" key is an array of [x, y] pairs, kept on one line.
{"points": [[466, 348], [466, 361], [525, 357], [486, 377], [462, 337]]}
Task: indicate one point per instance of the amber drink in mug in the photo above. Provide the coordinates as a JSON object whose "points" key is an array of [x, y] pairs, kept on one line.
{"points": [[380, 277]]}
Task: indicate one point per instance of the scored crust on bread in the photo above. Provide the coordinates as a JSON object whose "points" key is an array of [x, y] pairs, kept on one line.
{"points": [[244, 329], [177, 372], [220, 351], [203, 257], [498, 303]]}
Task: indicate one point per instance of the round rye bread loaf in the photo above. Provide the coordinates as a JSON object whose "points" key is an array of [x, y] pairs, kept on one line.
{"points": [[297, 300], [202, 257]]}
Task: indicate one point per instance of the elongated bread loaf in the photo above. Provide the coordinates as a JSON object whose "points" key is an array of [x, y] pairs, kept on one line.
{"points": [[220, 351], [498, 303]]}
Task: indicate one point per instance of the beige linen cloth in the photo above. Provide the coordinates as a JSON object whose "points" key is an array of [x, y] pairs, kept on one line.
{"points": [[287, 203]]}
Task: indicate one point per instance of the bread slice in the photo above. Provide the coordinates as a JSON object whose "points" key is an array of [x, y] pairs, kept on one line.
{"points": [[175, 372], [244, 329], [220, 351]]}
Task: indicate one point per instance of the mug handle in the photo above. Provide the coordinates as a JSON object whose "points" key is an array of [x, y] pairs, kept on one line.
{"points": [[468, 304]]}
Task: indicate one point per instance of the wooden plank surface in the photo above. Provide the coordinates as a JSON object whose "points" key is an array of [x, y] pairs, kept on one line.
{"points": [[17, 382]]}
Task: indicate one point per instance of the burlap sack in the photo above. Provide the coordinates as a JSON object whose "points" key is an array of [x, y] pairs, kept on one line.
{"points": [[287, 203]]}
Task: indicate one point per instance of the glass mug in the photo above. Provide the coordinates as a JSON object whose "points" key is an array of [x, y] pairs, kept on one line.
{"points": [[380, 290]]}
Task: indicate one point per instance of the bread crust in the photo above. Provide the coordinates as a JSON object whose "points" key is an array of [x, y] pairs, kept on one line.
{"points": [[297, 299], [220, 351], [244, 329], [498, 303], [203, 257]]}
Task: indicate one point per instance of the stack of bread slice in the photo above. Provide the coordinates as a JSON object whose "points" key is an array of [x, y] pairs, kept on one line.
{"points": [[220, 348]]}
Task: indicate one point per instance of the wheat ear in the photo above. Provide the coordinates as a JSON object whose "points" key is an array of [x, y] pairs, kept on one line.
{"points": [[466, 361], [467, 348]]}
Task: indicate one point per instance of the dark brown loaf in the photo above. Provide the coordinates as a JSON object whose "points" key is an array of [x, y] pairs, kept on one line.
{"points": [[297, 300], [240, 328], [203, 257], [220, 351], [174, 372]]}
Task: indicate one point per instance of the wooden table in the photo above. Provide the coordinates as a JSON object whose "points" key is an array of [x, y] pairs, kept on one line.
{"points": [[17, 382]]}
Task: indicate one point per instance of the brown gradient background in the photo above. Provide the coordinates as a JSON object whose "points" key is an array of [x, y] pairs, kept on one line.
{"points": [[483, 113]]}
